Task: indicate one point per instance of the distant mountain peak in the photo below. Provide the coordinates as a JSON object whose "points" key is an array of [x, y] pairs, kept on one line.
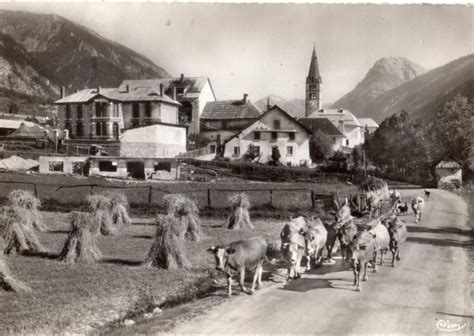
{"points": [[386, 74]]}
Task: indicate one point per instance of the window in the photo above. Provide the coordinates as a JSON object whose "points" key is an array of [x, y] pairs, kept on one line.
{"points": [[115, 111], [291, 136], [79, 111], [213, 148], [68, 127], [274, 136], [56, 166], [147, 110], [104, 129], [166, 166], [289, 151], [80, 129], [79, 167], [135, 110], [347, 142], [68, 111], [256, 149], [98, 128], [256, 135], [224, 125], [180, 90], [236, 151], [276, 124], [100, 109], [108, 166]]}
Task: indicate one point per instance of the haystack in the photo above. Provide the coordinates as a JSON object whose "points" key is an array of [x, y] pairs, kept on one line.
{"points": [[168, 250], [80, 245], [239, 212], [99, 207], [7, 282], [186, 211], [119, 208], [27, 201], [17, 231]]}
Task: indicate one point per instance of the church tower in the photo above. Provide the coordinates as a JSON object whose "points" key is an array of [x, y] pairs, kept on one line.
{"points": [[313, 86]]}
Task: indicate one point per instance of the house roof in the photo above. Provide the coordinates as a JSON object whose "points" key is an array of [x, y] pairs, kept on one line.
{"points": [[448, 164], [336, 114], [323, 125], [369, 122], [117, 94], [17, 163], [273, 108], [13, 124], [28, 131], [231, 109], [194, 85]]}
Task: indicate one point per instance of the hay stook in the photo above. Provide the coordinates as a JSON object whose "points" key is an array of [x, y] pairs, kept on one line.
{"points": [[168, 250], [186, 211], [239, 212], [80, 245], [26, 200]]}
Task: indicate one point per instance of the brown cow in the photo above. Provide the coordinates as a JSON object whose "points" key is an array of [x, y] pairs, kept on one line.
{"points": [[239, 256], [293, 244], [315, 240], [346, 234], [360, 252], [398, 235]]}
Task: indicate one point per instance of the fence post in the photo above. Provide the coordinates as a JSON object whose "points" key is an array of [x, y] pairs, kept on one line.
{"points": [[35, 190], [313, 201], [271, 197], [149, 194], [92, 187], [209, 197]]}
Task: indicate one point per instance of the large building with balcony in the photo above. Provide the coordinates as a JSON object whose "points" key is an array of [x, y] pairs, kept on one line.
{"points": [[193, 93]]}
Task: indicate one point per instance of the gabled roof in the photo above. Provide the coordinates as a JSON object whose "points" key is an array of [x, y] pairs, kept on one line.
{"points": [[323, 125], [194, 85], [25, 131], [339, 114], [231, 109], [273, 108], [369, 122], [14, 124], [448, 164], [117, 94]]}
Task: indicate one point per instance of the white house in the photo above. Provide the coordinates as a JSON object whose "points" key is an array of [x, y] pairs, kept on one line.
{"points": [[273, 128]]}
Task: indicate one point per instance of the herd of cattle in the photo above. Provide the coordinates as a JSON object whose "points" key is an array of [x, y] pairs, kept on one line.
{"points": [[304, 238]]}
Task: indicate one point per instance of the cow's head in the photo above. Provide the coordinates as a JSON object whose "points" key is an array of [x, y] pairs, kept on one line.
{"points": [[309, 236], [347, 233], [292, 252], [221, 254], [354, 249]]}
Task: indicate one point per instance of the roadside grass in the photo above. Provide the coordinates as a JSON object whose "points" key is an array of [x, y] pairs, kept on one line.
{"points": [[84, 298]]}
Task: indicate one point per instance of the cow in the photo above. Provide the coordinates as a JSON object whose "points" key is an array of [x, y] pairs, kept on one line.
{"points": [[417, 205], [360, 253], [343, 212], [382, 240], [398, 235], [315, 239], [293, 244], [374, 204], [346, 233], [332, 234], [237, 257]]}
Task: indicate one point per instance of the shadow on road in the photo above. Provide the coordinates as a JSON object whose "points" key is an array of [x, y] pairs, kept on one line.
{"points": [[124, 262], [142, 236], [442, 229], [43, 254], [441, 242]]}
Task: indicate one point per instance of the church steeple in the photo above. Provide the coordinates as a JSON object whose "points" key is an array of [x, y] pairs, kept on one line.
{"points": [[313, 86]]}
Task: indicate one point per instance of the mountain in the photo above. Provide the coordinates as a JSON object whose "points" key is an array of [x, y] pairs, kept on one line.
{"points": [[425, 94], [57, 52], [385, 75]]}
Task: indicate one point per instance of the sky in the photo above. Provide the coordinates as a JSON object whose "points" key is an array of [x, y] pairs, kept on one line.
{"points": [[266, 49]]}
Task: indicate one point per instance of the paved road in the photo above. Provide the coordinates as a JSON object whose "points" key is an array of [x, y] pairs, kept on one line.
{"points": [[430, 285]]}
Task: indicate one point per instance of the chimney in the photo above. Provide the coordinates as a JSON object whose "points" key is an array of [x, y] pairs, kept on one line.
{"points": [[182, 78], [174, 92], [63, 92], [98, 89], [162, 90], [246, 98], [268, 104], [127, 88]]}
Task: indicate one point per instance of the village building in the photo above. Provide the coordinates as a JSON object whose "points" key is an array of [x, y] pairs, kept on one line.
{"points": [[138, 121], [326, 127], [274, 128], [448, 173], [222, 119], [368, 124], [193, 93], [352, 129]]}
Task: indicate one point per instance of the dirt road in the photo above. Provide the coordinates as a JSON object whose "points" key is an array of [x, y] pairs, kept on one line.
{"points": [[428, 291]]}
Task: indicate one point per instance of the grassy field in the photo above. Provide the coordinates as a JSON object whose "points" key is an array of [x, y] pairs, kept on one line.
{"points": [[84, 298]]}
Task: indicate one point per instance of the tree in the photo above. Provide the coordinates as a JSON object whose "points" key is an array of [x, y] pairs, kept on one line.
{"points": [[454, 125], [321, 146], [276, 154], [251, 153], [195, 141]]}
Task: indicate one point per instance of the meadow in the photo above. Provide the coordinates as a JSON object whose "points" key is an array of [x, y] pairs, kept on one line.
{"points": [[84, 298]]}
